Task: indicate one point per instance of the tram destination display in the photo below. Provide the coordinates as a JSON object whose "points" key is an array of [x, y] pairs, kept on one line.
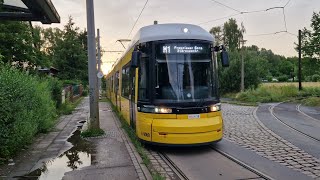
{"points": [[184, 48]]}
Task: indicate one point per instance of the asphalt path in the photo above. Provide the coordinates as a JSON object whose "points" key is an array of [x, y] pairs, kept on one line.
{"points": [[313, 112], [289, 114], [292, 118]]}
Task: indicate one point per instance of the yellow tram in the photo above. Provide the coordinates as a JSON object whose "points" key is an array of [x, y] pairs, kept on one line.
{"points": [[166, 85]]}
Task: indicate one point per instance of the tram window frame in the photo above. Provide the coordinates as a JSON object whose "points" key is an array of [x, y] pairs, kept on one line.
{"points": [[112, 85], [117, 82], [143, 63], [125, 91]]}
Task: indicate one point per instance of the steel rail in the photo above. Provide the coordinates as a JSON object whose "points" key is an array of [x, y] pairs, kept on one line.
{"points": [[287, 125]]}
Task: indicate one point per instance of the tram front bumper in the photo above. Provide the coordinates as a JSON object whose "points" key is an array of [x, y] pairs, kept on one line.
{"points": [[187, 131]]}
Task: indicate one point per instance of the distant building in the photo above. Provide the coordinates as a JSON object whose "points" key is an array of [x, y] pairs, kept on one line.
{"points": [[49, 71]]}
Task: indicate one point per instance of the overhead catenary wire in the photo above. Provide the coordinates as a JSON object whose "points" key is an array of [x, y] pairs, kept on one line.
{"points": [[241, 13], [284, 20], [257, 11], [226, 6], [232, 15], [145, 4], [286, 3]]}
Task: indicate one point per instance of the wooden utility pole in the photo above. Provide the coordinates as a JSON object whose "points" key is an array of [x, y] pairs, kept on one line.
{"points": [[299, 64], [242, 65]]}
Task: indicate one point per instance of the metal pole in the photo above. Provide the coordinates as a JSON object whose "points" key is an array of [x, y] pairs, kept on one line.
{"points": [[92, 67], [99, 60], [299, 64]]}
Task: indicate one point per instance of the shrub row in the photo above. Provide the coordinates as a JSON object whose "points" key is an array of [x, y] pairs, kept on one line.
{"points": [[26, 109]]}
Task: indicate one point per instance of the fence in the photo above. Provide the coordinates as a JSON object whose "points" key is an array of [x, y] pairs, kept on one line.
{"points": [[71, 93]]}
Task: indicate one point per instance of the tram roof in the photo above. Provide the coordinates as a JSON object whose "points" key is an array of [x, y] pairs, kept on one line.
{"points": [[168, 31], [171, 31]]}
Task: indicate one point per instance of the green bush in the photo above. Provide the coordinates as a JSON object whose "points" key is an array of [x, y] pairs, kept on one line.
{"points": [[85, 92], [283, 78], [26, 109], [269, 78], [255, 69], [315, 78], [55, 87], [71, 82]]}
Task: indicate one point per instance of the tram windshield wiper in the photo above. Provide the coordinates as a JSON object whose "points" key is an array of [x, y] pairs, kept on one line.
{"points": [[200, 102]]}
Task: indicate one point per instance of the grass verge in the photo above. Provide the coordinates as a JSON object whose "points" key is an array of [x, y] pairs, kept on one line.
{"points": [[68, 107], [157, 176], [92, 133], [135, 141], [308, 96]]}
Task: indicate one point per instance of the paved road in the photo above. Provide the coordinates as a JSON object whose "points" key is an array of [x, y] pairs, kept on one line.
{"points": [[205, 163], [313, 112], [247, 139], [289, 114]]}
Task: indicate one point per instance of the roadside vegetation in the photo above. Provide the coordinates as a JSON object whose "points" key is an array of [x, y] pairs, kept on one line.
{"points": [[26, 109], [92, 133], [309, 95], [269, 77], [30, 100]]}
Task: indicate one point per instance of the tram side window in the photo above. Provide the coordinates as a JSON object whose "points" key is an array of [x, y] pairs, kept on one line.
{"points": [[112, 84], [116, 82], [143, 79], [125, 81]]}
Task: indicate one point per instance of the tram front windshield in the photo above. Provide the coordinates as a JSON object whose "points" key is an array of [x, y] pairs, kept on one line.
{"points": [[184, 72]]}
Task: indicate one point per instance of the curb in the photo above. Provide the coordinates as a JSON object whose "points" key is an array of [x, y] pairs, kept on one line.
{"points": [[141, 168]]}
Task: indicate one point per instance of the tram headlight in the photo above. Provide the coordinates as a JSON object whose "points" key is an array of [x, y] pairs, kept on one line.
{"points": [[162, 110], [215, 107], [155, 109]]}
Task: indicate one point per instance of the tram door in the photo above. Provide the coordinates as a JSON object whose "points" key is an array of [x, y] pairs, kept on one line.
{"points": [[132, 105]]}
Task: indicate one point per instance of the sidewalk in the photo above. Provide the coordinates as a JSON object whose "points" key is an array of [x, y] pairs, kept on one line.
{"points": [[62, 154], [115, 156]]}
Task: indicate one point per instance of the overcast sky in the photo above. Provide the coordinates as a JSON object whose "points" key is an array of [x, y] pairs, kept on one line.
{"points": [[115, 19]]}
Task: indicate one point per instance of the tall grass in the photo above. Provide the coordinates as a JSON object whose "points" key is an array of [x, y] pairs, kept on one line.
{"points": [[279, 93], [304, 84]]}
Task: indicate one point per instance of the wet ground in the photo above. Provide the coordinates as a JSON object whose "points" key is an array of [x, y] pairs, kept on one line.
{"points": [[77, 157], [63, 154]]}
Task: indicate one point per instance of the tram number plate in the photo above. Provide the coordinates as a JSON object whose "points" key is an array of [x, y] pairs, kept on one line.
{"points": [[193, 116]]}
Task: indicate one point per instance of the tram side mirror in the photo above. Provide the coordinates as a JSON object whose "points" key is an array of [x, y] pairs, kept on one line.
{"points": [[224, 58], [135, 59]]}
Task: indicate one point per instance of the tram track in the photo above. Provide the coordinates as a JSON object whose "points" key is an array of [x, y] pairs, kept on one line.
{"points": [[271, 110], [183, 176], [173, 166], [299, 110], [242, 164]]}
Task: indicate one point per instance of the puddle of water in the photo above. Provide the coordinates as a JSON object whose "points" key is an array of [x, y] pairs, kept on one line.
{"points": [[77, 157]]}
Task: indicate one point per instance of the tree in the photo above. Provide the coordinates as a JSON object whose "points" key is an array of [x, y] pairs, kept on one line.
{"points": [[311, 38], [256, 69], [310, 47], [231, 34], [217, 32], [16, 44], [69, 54]]}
